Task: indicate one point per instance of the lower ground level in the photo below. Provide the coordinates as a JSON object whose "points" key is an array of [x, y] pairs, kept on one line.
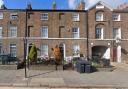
{"points": [[106, 49]]}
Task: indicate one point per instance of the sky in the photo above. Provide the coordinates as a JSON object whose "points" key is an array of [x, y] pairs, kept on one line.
{"points": [[61, 4]]}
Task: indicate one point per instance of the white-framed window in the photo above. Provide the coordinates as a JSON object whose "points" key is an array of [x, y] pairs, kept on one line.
{"points": [[1, 15], [13, 31], [99, 33], [75, 17], [13, 16], [13, 50], [44, 49], [116, 17], [44, 31], [75, 32], [44, 16], [1, 31], [99, 16], [76, 50], [116, 33]]}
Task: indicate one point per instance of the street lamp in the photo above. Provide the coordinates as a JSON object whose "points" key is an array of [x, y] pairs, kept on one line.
{"points": [[25, 46]]}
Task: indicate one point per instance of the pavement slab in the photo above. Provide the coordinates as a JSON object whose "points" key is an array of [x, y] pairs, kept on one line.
{"points": [[117, 79]]}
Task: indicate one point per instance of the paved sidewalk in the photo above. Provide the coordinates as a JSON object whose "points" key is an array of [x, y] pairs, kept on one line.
{"points": [[52, 79]]}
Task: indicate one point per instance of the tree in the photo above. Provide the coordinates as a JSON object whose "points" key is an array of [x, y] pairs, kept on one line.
{"points": [[33, 53]]}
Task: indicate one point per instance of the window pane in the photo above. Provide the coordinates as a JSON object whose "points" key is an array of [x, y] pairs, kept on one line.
{"points": [[44, 16], [98, 33], [44, 32], [75, 32], [1, 15], [44, 49], [1, 31], [13, 16], [13, 31], [76, 50], [1, 52], [116, 17], [75, 17], [116, 33], [13, 50], [99, 16]]}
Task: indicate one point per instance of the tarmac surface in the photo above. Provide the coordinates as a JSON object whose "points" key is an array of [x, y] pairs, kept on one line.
{"points": [[117, 79]]}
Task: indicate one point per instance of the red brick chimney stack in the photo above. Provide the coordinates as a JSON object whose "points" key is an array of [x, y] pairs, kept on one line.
{"points": [[81, 5], [54, 7], [29, 6]]}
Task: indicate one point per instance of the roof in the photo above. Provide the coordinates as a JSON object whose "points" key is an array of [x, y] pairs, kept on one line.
{"points": [[103, 3]]}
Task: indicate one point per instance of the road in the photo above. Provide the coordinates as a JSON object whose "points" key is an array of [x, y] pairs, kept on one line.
{"points": [[52, 88]]}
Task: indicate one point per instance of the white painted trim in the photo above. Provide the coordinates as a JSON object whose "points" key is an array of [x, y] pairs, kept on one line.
{"points": [[102, 33], [119, 54], [40, 38], [56, 38]]}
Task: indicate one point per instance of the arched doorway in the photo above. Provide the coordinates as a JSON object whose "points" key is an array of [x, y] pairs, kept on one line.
{"points": [[101, 52], [62, 48]]}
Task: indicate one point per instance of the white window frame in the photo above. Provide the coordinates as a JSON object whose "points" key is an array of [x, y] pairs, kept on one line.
{"points": [[1, 31], [116, 17], [76, 50], [44, 16], [101, 34], [1, 15], [100, 6], [44, 49], [13, 31], [117, 35], [75, 17], [74, 33], [14, 16], [99, 16], [45, 30], [13, 50]]}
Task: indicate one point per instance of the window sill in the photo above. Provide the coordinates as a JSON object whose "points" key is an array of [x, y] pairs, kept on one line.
{"points": [[76, 20], [101, 21], [117, 20], [44, 19]]}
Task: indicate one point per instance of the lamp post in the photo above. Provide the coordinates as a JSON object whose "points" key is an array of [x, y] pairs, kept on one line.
{"points": [[25, 42]]}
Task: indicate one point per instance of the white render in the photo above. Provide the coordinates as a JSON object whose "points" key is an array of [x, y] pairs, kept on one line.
{"points": [[107, 54], [119, 54]]}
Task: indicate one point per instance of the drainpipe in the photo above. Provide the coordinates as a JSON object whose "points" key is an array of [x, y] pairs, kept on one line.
{"points": [[87, 36]]}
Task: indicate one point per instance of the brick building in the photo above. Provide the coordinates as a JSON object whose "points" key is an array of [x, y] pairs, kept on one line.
{"points": [[99, 31]]}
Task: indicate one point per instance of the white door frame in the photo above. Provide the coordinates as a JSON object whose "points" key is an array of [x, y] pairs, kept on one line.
{"points": [[119, 54]]}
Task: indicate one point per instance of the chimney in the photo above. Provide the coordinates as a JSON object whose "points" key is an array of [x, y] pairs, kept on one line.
{"points": [[81, 5], [29, 6], [3, 7], [54, 7]]}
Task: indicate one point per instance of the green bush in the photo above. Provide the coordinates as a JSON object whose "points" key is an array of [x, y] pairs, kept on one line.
{"points": [[33, 53]]}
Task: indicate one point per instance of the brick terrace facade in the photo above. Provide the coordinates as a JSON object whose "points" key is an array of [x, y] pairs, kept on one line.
{"points": [[58, 26]]}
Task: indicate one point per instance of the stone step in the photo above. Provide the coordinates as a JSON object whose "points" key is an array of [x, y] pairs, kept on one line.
{"points": [[8, 67]]}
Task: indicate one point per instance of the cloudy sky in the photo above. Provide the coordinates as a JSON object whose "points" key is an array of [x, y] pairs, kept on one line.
{"points": [[112, 3], [61, 4]]}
